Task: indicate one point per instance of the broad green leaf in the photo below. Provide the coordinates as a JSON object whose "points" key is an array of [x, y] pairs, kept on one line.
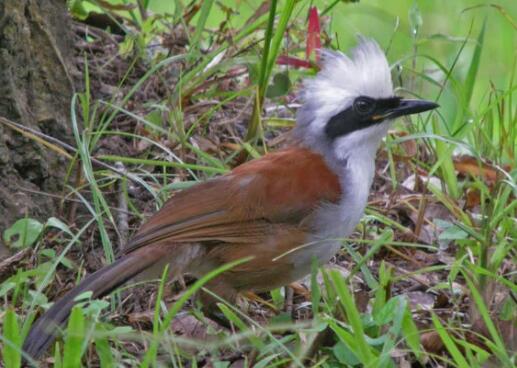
{"points": [[387, 313], [344, 355], [280, 86], [23, 233], [58, 224]]}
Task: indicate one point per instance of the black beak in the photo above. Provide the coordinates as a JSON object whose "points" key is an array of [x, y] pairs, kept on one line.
{"points": [[408, 107]]}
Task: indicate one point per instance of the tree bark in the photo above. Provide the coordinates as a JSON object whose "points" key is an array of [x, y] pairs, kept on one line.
{"points": [[35, 91]]}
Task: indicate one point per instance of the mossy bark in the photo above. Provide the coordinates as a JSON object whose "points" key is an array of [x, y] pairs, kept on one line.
{"points": [[35, 91]]}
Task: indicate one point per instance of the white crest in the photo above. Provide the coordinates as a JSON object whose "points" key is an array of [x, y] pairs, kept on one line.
{"points": [[365, 72]]}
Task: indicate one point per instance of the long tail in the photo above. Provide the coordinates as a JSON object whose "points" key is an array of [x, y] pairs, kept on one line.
{"points": [[100, 283]]}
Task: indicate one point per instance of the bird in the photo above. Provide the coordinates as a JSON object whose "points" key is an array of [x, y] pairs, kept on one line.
{"points": [[282, 210]]}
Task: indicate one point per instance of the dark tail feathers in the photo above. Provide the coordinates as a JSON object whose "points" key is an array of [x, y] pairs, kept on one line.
{"points": [[100, 283]]}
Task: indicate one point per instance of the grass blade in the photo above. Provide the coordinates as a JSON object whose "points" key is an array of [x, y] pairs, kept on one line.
{"points": [[75, 332], [474, 65], [239, 323], [271, 49], [200, 26], [449, 343], [482, 308], [353, 316], [11, 351], [102, 348]]}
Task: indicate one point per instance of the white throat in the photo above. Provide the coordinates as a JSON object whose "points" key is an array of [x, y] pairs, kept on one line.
{"points": [[353, 159], [355, 176]]}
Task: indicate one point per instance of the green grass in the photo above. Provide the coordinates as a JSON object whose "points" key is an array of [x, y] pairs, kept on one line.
{"points": [[455, 52]]}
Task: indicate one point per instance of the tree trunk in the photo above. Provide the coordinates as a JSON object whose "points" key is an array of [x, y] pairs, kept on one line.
{"points": [[35, 91]]}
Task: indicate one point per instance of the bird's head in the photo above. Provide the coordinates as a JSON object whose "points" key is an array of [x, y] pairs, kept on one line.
{"points": [[348, 107]]}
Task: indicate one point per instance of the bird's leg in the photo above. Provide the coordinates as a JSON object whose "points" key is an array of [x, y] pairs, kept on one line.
{"points": [[300, 289]]}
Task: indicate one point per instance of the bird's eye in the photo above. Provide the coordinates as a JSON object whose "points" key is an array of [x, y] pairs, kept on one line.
{"points": [[363, 105]]}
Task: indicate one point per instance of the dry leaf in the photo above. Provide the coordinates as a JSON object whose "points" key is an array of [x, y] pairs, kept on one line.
{"points": [[410, 147], [468, 165], [473, 198], [420, 300], [188, 326], [432, 342]]}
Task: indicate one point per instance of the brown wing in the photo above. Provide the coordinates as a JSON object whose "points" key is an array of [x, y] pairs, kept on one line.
{"points": [[238, 207]]}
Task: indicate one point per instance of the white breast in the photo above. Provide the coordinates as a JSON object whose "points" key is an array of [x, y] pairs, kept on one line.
{"points": [[333, 222]]}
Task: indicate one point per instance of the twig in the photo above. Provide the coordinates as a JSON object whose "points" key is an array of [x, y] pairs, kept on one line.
{"points": [[8, 265], [289, 293], [39, 192], [73, 207], [122, 217], [411, 275], [421, 213]]}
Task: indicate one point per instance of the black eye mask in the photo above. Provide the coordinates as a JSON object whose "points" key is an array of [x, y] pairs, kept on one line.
{"points": [[364, 112]]}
